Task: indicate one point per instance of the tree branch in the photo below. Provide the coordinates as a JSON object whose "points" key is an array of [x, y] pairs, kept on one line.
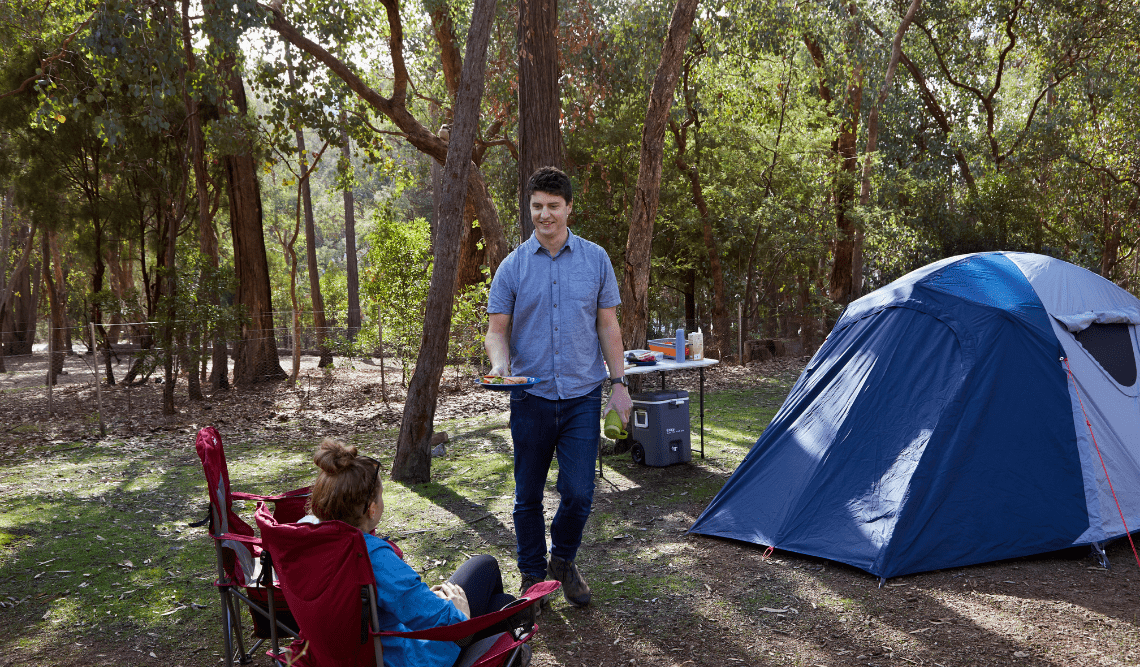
{"points": [[45, 62]]}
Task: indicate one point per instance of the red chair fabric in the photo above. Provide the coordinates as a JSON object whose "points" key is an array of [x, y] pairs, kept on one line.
{"points": [[239, 566], [238, 549], [322, 570]]}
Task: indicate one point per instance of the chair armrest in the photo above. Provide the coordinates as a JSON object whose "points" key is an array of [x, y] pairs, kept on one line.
{"points": [[248, 539], [458, 631], [295, 493]]}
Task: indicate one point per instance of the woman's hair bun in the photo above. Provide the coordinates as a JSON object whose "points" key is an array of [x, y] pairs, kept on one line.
{"points": [[333, 456]]}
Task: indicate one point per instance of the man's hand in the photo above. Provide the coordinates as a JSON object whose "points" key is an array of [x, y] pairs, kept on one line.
{"points": [[620, 402]]}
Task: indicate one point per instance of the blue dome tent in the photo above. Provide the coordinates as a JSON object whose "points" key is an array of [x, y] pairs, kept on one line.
{"points": [[943, 423]]}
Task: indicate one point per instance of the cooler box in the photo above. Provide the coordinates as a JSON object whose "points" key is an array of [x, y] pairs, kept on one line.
{"points": [[659, 428]]}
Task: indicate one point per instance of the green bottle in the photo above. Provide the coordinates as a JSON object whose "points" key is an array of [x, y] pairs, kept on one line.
{"points": [[613, 426]]}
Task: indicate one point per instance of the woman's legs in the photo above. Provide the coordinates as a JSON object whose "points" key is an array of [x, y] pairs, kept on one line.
{"points": [[482, 581]]}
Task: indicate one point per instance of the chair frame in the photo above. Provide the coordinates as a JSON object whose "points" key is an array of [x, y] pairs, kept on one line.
{"points": [[229, 589]]}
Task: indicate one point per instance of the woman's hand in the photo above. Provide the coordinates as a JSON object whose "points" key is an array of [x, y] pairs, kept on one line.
{"points": [[454, 594]]}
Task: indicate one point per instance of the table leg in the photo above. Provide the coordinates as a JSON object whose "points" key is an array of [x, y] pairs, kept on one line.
{"points": [[702, 408]]}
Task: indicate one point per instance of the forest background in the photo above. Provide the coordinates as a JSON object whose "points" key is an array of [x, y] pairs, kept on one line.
{"points": [[214, 181]]}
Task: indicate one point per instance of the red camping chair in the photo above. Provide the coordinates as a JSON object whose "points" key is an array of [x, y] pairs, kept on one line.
{"points": [[326, 576], [241, 575]]}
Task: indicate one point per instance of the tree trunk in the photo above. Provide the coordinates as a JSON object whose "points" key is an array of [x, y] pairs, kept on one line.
{"points": [[21, 313], [691, 301], [1110, 231], [7, 207], [20, 269], [540, 138], [749, 289], [639, 245], [257, 351], [168, 341], [845, 150], [62, 340], [412, 463], [353, 277], [55, 294], [471, 256], [719, 338]]}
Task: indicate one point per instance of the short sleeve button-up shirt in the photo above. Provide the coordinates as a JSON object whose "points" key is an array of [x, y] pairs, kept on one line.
{"points": [[553, 302]]}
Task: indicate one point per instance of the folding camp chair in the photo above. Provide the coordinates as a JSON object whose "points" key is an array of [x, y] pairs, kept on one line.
{"points": [[240, 558], [326, 576]]}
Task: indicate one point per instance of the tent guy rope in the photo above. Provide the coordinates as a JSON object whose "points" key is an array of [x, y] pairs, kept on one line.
{"points": [[1101, 457]]}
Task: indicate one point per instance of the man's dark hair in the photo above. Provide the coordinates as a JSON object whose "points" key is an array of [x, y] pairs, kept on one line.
{"points": [[552, 181]]}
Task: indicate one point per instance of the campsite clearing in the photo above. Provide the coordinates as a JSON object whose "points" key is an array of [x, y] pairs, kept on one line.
{"points": [[98, 564]]}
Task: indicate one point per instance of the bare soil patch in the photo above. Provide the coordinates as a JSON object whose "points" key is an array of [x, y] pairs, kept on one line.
{"points": [[662, 596]]}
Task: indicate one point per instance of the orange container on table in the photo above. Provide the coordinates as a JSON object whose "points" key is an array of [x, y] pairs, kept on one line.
{"points": [[668, 347]]}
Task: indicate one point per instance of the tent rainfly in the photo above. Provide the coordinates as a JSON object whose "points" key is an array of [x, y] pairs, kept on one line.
{"points": [[980, 408]]}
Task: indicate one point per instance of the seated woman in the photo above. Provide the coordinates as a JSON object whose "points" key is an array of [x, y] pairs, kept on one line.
{"points": [[349, 489]]}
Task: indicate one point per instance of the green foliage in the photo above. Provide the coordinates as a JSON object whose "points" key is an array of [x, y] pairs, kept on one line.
{"points": [[469, 325], [1038, 149], [396, 276]]}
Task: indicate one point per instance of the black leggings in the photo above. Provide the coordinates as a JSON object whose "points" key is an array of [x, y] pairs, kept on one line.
{"points": [[481, 580]]}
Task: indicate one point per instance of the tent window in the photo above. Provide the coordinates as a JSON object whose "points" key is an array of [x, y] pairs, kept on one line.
{"points": [[1111, 346]]}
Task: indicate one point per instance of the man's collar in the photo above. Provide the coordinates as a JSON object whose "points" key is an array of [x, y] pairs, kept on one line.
{"points": [[534, 246]]}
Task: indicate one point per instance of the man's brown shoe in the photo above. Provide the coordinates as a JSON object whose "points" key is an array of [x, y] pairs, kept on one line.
{"points": [[527, 582], [574, 587]]}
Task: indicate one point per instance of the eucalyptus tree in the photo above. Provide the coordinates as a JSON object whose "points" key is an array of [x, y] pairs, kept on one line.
{"points": [[635, 276], [394, 106], [256, 358], [539, 101], [994, 77], [461, 182]]}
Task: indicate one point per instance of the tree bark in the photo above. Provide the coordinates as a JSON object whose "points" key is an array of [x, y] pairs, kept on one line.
{"points": [[845, 150], [412, 463], [207, 235], [353, 277], [639, 245], [61, 284], [56, 296], [168, 334], [1110, 231], [719, 338], [257, 359], [749, 288], [540, 138], [10, 284], [471, 255]]}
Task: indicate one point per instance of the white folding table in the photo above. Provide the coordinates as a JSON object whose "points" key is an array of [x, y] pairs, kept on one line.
{"points": [[667, 365]]}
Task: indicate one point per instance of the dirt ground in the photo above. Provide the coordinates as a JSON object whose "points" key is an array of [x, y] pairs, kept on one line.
{"points": [[662, 596]]}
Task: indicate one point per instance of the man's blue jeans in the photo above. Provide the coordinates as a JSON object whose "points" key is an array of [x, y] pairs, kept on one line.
{"points": [[542, 428]]}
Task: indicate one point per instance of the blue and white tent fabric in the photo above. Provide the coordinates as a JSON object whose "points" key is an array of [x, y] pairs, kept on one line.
{"points": [[943, 423]]}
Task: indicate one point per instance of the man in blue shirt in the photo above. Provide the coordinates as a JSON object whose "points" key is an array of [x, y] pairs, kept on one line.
{"points": [[553, 315]]}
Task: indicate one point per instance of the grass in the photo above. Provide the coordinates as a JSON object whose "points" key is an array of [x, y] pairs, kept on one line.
{"points": [[99, 563]]}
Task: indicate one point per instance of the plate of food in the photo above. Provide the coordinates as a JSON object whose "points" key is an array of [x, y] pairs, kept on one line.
{"points": [[641, 358], [507, 383]]}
